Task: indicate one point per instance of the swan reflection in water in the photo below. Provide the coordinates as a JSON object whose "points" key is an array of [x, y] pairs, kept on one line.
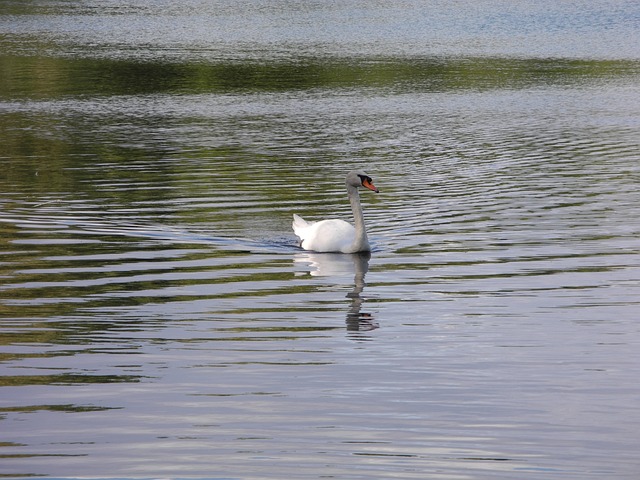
{"points": [[341, 265]]}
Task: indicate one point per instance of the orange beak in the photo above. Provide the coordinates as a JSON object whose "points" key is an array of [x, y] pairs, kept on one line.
{"points": [[370, 186]]}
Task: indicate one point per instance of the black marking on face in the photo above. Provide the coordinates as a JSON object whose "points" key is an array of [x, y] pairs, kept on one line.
{"points": [[365, 178]]}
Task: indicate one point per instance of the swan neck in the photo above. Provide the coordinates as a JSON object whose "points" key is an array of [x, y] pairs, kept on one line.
{"points": [[361, 242]]}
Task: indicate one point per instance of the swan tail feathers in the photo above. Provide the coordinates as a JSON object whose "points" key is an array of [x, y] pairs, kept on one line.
{"points": [[299, 222], [300, 226]]}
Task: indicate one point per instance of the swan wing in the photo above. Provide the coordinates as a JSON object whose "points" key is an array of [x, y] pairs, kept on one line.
{"points": [[324, 236]]}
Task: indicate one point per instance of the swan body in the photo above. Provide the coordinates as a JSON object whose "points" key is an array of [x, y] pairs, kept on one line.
{"points": [[338, 235], [327, 236]]}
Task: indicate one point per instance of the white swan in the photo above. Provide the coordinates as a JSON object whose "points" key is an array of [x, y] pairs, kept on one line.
{"points": [[338, 235]]}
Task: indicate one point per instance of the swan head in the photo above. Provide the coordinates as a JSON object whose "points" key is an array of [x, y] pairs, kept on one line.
{"points": [[360, 179]]}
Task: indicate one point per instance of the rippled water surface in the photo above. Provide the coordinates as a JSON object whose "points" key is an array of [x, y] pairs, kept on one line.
{"points": [[158, 318]]}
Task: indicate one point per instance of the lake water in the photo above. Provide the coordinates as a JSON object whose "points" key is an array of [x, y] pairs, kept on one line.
{"points": [[158, 319]]}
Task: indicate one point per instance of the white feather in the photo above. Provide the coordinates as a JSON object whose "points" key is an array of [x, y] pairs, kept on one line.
{"points": [[337, 235]]}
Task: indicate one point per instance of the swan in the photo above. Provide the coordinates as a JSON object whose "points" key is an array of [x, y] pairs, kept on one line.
{"points": [[338, 235]]}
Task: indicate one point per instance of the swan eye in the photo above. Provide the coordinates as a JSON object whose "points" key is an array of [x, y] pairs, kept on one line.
{"points": [[367, 182]]}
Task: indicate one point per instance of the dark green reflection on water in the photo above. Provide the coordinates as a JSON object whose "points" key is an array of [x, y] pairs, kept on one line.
{"points": [[64, 379], [67, 408], [49, 77]]}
